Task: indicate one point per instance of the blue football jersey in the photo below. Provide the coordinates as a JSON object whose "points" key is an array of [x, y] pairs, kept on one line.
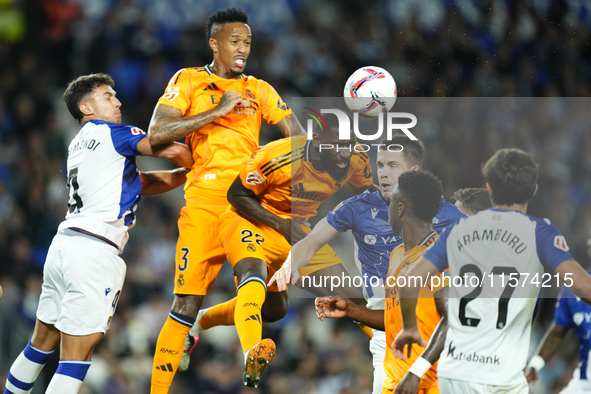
{"points": [[367, 216], [103, 181], [573, 313]]}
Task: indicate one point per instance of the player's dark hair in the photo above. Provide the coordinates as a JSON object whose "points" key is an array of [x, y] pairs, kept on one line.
{"points": [[512, 175], [227, 15], [474, 199], [80, 87], [413, 151], [423, 191]]}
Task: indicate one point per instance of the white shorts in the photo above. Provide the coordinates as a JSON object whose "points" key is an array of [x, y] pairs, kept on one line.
{"points": [[82, 281], [453, 386], [377, 347], [577, 386]]}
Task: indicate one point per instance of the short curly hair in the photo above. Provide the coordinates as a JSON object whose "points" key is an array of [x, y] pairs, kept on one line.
{"points": [[512, 175], [423, 191], [220, 17], [82, 86]]}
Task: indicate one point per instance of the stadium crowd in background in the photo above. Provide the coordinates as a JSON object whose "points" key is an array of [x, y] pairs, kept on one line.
{"points": [[303, 48]]}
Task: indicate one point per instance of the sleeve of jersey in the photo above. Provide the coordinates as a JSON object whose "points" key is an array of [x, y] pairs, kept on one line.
{"points": [[178, 91], [362, 175], [562, 314], [437, 252], [273, 107], [125, 139], [341, 218], [551, 245]]}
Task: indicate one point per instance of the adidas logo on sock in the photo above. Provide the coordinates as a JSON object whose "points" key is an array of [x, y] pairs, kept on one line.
{"points": [[253, 317], [165, 368]]}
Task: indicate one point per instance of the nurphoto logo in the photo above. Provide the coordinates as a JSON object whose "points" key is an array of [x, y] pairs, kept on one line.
{"points": [[344, 127]]}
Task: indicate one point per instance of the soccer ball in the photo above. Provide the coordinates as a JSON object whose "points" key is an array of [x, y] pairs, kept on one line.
{"points": [[370, 91]]}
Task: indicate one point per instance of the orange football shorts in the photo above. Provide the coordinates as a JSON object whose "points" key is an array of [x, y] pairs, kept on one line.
{"points": [[199, 255], [242, 238]]}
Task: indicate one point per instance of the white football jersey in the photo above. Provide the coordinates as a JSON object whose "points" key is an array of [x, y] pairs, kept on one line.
{"points": [[103, 181], [496, 260]]}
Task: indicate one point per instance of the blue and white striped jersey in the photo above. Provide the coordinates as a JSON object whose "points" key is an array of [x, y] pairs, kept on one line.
{"points": [[103, 181], [367, 216]]}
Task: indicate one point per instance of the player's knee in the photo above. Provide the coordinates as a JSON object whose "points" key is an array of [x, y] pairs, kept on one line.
{"points": [[250, 266], [187, 305], [272, 312]]}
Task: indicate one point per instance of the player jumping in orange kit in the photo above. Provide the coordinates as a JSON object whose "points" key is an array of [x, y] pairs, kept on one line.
{"points": [[219, 110]]}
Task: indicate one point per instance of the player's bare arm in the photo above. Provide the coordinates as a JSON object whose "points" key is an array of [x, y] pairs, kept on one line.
{"points": [[547, 348], [408, 304], [178, 153], [410, 383], [337, 307], [158, 182], [245, 201], [302, 253], [290, 126], [168, 125], [571, 273]]}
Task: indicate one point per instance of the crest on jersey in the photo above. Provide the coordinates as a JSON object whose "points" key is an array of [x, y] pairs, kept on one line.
{"points": [[560, 243], [137, 131], [249, 95], [254, 178], [170, 96]]}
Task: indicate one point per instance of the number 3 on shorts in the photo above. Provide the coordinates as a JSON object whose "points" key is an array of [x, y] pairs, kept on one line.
{"points": [[185, 259]]}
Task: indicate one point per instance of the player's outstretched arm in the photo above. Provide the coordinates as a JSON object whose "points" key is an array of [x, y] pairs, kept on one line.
{"points": [[407, 295], [302, 253], [545, 351], [576, 278], [245, 201], [179, 154], [158, 182], [168, 124], [337, 307], [411, 381], [290, 126]]}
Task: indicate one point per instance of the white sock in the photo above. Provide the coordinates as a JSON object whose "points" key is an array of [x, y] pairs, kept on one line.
{"points": [[25, 370], [68, 377], [197, 329]]}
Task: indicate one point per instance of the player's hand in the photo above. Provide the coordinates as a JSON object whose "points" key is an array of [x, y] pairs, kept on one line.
{"points": [[404, 338], [228, 102], [283, 275], [531, 375], [409, 384], [331, 307], [292, 230]]}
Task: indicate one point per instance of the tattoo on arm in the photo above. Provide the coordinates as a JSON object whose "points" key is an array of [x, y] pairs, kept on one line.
{"points": [[168, 125], [290, 126]]}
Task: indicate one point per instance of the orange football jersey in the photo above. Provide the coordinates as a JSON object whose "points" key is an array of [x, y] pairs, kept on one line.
{"points": [[427, 315], [287, 184], [223, 146]]}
